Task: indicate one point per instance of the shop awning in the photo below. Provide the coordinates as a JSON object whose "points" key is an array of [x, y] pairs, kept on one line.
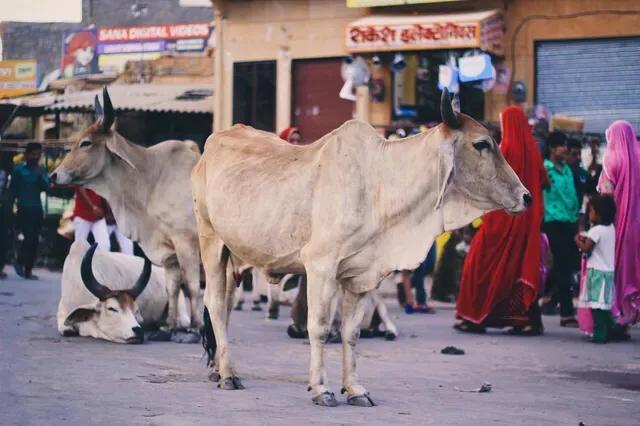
{"points": [[380, 33], [180, 98]]}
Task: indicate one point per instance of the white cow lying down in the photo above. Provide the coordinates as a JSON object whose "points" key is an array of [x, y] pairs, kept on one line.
{"points": [[122, 313]]}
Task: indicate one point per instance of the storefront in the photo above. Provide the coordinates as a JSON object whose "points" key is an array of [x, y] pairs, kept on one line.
{"points": [[420, 37], [412, 57]]}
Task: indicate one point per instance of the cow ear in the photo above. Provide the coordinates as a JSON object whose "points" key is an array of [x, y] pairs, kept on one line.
{"points": [[81, 314], [119, 150]]}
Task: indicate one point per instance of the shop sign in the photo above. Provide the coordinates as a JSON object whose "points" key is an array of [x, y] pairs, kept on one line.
{"points": [[116, 45], [79, 53], [18, 77], [391, 33], [374, 3], [412, 37]]}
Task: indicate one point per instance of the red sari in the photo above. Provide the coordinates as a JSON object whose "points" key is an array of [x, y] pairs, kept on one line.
{"points": [[501, 275]]}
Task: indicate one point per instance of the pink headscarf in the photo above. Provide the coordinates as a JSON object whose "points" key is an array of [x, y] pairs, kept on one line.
{"points": [[621, 178]]}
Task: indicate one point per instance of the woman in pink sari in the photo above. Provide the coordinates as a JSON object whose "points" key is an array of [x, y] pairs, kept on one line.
{"points": [[621, 179]]}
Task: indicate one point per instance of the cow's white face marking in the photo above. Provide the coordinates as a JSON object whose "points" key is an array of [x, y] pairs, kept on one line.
{"points": [[114, 319]]}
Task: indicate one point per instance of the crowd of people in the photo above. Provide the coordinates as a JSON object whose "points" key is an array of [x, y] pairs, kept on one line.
{"points": [[583, 217], [578, 238]]}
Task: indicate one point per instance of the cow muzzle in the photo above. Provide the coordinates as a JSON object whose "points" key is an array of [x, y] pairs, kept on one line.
{"points": [[138, 336], [60, 177], [523, 203]]}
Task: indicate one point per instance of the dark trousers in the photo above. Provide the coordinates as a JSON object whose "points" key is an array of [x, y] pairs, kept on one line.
{"points": [[602, 323], [30, 221], [563, 247], [417, 278], [5, 236]]}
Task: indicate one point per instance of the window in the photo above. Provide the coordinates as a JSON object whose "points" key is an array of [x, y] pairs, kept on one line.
{"points": [[254, 94]]}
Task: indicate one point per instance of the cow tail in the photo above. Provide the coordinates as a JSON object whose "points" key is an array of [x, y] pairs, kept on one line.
{"points": [[208, 338]]}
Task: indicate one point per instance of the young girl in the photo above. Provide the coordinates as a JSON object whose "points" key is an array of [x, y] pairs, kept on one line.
{"points": [[599, 245]]}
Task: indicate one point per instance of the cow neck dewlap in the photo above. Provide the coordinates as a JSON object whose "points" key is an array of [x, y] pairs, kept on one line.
{"points": [[406, 175], [407, 189], [127, 189]]}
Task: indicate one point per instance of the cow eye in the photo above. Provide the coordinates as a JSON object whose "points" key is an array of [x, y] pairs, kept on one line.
{"points": [[85, 143], [112, 309], [482, 145]]}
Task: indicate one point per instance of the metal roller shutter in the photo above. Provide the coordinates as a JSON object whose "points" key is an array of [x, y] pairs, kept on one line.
{"points": [[597, 80]]}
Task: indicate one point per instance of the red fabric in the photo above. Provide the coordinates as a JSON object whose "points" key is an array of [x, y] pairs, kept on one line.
{"points": [[286, 133], [501, 275], [84, 210]]}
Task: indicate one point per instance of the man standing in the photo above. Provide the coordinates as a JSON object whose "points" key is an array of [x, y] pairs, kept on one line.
{"points": [[28, 180], [561, 208]]}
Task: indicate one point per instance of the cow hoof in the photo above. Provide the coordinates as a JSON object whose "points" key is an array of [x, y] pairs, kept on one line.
{"points": [[70, 333], [231, 383], [214, 376], [389, 335], [360, 400], [325, 399]]}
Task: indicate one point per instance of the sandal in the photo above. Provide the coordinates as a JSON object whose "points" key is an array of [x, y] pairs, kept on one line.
{"points": [[469, 327]]}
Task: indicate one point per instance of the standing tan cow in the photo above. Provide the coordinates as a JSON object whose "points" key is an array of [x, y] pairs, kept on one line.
{"points": [[346, 210], [148, 190]]}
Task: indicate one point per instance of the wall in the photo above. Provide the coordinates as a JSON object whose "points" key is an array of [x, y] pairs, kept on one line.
{"points": [[605, 25], [286, 29], [282, 30]]}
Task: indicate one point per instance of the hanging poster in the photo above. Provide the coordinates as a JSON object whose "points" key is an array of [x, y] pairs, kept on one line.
{"points": [[79, 53]]}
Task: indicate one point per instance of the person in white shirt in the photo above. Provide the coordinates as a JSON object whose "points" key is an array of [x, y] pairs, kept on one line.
{"points": [[599, 245]]}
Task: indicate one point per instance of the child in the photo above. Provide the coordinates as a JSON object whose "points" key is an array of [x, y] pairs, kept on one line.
{"points": [[599, 245]]}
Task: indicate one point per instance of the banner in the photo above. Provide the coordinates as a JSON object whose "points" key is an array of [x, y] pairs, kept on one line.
{"points": [[18, 77], [117, 45], [79, 53]]}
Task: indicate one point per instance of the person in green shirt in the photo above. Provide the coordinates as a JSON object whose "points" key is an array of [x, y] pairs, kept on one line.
{"points": [[28, 181], [561, 211]]}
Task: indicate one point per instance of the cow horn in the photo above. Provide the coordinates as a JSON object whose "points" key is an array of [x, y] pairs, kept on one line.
{"points": [[143, 279], [109, 115], [449, 117], [99, 113], [89, 280]]}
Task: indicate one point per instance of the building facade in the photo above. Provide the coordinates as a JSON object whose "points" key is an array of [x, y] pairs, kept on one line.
{"points": [[279, 63]]}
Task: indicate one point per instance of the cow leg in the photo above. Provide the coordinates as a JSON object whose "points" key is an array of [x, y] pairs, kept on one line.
{"points": [[190, 266], [273, 295], [320, 294], [256, 286], [218, 297], [391, 332], [353, 309], [173, 276]]}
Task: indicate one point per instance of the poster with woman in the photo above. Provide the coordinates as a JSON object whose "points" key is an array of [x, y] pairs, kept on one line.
{"points": [[80, 56]]}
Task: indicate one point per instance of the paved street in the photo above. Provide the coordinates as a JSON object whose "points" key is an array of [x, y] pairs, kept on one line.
{"points": [[555, 379]]}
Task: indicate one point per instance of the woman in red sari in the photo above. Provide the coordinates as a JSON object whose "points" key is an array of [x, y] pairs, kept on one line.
{"points": [[501, 277]]}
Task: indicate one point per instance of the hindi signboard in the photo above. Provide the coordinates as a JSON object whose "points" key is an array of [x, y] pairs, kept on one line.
{"points": [[392, 33]]}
